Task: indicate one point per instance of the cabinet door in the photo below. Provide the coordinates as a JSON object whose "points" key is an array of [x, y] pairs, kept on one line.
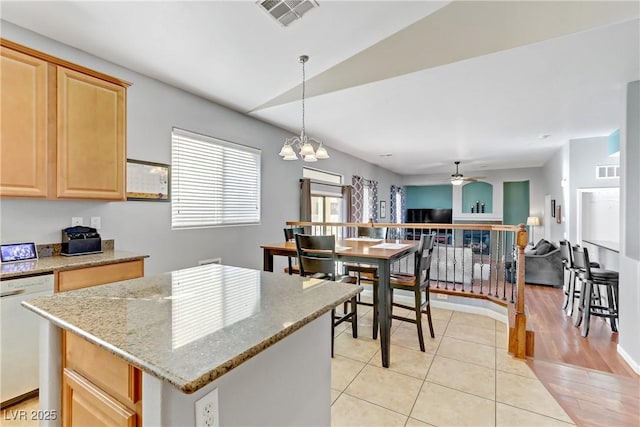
{"points": [[23, 129], [84, 404], [68, 280], [91, 155]]}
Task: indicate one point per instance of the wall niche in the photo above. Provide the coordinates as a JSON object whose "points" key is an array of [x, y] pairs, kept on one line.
{"points": [[477, 197]]}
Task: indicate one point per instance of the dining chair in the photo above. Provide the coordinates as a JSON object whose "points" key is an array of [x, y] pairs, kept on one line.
{"points": [[599, 296], [289, 232], [317, 258], [418, 282], [367, 273]]}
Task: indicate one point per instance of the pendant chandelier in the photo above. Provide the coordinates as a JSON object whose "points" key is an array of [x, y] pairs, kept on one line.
{"points": [[303, 143]]}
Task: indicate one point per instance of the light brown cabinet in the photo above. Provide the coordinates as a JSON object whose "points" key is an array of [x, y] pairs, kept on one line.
{"points": [[84, 404], [98, 388], [63, 129], [67, 280], [23, 132]]}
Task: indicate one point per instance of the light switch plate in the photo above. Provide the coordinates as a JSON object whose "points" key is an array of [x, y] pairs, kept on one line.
{"points": [[76, 220]]}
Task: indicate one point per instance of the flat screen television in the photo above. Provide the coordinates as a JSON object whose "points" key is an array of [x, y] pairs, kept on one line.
{"points": [[440, 216], [426, 215]]}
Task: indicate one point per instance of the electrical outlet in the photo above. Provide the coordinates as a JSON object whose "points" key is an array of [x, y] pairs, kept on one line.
{"points": [[207, 410], [95, 222], [76, 220], [441, 296]]}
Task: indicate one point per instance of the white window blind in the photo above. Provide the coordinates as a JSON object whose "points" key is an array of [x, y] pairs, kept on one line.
{"points": [[213, 182]]}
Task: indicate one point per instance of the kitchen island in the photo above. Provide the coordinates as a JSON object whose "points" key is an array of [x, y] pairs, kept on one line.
{"points": [[256, 344]]}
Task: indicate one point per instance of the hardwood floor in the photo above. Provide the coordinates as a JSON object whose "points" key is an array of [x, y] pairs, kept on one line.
{"points": [[586, 375], [558, 340]]}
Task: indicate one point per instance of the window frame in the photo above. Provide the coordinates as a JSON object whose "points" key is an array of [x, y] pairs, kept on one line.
{"points": [[219, 205]]}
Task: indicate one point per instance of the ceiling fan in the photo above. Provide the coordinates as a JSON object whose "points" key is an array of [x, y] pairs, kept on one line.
{"points": [[458, 179]]}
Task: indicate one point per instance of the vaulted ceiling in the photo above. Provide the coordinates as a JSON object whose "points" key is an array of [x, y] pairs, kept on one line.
{"points": [[411, 86]]}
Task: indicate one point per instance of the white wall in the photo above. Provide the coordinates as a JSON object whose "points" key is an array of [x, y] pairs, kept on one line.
{"points": [[556, 183], [584, 155], [153, 109], [629, 336]]}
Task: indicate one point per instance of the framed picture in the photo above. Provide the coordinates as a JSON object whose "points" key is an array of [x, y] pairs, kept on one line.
{"points": [[559, 214], [383, 208], [147, 181], [553, 208]]}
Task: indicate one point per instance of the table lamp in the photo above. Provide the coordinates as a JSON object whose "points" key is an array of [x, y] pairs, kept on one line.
{"points": [[532, 221]]}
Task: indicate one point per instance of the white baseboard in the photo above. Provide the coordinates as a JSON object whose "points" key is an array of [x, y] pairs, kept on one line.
{"points": [[487, 308], [627, 358]]}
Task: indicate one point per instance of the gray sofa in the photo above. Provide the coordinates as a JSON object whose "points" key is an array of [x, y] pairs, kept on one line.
{"points": [[543, 265]]}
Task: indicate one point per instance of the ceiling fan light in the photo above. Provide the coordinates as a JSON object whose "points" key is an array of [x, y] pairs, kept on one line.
{"points": [[457, 181], [321, 153]]}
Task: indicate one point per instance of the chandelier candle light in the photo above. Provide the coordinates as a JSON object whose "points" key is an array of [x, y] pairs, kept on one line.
{"points": [[303, 143]]}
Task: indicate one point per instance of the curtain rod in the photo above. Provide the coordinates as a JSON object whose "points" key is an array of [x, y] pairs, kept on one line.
{"points": [[324, 183]]}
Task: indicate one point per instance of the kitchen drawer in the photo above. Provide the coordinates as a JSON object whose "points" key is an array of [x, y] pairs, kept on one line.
{"points": [[68, 280], [84, 404], [109, 372]]}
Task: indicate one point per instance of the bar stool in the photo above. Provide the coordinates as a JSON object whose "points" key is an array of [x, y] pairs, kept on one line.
{"points": [[569, 286], [600, 292]]}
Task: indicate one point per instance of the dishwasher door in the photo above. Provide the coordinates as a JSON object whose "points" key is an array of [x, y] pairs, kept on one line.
{"points": [[19, 336]]}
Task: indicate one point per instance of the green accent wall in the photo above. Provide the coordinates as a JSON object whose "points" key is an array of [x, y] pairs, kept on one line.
{"points": [[515, 203], [477, 191], [429, 196]]}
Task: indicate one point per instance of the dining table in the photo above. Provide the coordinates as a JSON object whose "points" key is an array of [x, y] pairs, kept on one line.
{"points": [[378, 252]]}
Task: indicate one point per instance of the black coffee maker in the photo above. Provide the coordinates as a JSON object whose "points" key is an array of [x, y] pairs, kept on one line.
{"points": [[80, 240]]}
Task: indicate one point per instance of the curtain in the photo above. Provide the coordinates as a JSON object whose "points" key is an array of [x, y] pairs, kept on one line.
{"points": [[305, 200], [396, 212], [346, 199], [357, 197], [373, 200]]}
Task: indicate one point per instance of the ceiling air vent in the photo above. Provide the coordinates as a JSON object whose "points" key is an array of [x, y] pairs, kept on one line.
{"points": [[287, 11]]}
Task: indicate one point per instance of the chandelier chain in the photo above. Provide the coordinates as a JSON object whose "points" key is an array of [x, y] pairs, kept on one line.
{"points": [[303, 93]]}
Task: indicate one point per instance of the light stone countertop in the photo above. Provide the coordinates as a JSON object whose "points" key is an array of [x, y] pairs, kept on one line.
{"points": [[191, 326], [60, 262]]}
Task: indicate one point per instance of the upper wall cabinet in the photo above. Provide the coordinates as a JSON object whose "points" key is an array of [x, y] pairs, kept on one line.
{"points": [[63, 128], [23, 131]]}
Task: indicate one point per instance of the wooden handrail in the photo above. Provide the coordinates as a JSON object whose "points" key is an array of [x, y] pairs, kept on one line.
{"points": [[489, 227]]}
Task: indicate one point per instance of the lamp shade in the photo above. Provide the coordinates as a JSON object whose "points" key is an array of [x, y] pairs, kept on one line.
{"points": [[533, 220]]}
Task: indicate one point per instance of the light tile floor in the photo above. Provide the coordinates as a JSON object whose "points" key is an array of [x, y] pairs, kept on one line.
{"points": [[465, 377]]}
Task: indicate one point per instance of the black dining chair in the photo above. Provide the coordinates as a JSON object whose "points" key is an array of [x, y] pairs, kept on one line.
{"points": [[367, 273], [317, 258], [599, 296], [289, 233], [418, 283]]}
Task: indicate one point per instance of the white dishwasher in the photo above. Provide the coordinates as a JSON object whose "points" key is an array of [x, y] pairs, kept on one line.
{"points": [[20, 336]]}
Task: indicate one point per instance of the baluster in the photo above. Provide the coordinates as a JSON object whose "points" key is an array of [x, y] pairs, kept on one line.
{"points": [[481, 269]]}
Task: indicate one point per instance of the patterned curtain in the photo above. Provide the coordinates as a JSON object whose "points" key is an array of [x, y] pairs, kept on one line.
{"points": [[396, 211], [357, 196], [373, 200]]}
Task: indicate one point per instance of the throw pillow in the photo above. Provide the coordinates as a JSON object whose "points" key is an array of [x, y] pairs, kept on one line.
{"points": [[544, 248]]}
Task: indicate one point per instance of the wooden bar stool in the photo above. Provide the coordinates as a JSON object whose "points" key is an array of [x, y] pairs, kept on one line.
{"points": [[599, 296]]}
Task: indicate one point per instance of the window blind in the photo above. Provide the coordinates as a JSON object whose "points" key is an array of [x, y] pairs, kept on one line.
{"points": [[213, 182]]}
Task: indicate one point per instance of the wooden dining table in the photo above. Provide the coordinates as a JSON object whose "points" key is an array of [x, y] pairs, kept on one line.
{"points": [[381, 253]]}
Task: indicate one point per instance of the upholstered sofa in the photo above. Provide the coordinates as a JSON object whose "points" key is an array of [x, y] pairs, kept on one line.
{"points": [[543, 265]]}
